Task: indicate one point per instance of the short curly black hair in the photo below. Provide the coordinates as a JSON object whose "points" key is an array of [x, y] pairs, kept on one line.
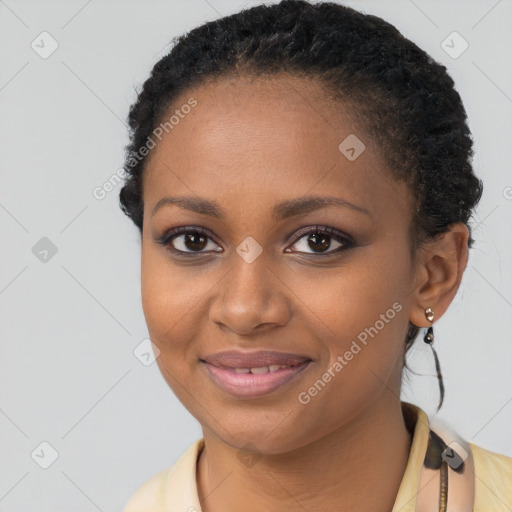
{"points": [[405, 101]]}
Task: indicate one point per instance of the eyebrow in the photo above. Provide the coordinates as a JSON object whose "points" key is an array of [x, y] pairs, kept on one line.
{"points": [[281, 211]]}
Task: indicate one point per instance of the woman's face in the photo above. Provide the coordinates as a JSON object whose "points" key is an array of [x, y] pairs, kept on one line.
{"points": [[263, 274]]}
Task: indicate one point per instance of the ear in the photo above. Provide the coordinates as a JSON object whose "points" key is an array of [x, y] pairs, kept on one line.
{"points": [[440, 266]]}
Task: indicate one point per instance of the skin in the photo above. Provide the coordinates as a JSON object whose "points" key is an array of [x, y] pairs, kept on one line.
{"points": [[249, 144]]}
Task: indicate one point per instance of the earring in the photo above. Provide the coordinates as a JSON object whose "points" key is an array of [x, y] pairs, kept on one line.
{"points": [[429, 336], [429, 339]]}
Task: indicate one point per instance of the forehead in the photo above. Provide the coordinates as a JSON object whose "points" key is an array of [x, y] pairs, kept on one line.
{"points": [[268, 113], [266, 138]]}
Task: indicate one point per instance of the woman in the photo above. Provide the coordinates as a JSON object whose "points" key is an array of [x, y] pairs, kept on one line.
{"points": [[301, 177]]}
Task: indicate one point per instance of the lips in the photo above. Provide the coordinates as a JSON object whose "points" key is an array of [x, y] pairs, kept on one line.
{"points": [[258, 360], [249, 375]]}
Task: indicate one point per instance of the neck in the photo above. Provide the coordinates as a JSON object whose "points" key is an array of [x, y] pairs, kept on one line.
{"points": [[335, 472]]}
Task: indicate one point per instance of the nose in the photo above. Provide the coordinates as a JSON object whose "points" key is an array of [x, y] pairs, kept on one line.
{"points": [[250, 299]]}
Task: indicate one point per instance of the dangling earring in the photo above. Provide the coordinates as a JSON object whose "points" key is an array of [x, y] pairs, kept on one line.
{"points": [[429, 340], [429, 336]]}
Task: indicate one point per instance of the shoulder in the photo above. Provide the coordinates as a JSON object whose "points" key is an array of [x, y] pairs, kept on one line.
{"points": [[173, 488], [150, 495], [493, 480], [485, 460]]}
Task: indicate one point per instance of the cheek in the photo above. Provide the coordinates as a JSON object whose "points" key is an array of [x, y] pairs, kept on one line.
{"points": [[158, 299], [171, 301], [164, 292], [153, 300], [365, 306], [356, 295], [163, 310]]}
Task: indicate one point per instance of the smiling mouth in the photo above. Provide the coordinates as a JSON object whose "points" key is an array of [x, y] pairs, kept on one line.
{"points": [[254, 382]]}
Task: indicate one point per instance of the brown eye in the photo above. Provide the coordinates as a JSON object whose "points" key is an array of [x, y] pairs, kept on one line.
{"points": [[194, 241], [188, 241], [319, 240]]}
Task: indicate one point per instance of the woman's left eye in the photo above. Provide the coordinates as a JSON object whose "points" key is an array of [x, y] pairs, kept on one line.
{"points": [[189, 241]]}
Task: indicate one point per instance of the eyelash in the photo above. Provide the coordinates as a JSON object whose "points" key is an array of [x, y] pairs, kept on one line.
{"points": [[167, 238]]}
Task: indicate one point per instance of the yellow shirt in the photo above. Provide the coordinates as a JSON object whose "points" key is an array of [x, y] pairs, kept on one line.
{"points": [[175, 488]]}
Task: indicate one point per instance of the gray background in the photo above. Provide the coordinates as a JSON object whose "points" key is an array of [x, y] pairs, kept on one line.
{"points": [[70, 324]]}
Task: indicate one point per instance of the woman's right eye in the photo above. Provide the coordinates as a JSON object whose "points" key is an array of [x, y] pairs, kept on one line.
{"points": [[188, 241]]}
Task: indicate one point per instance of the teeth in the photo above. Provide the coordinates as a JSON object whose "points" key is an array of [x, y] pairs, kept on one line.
{"points": [[263, 369]]}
